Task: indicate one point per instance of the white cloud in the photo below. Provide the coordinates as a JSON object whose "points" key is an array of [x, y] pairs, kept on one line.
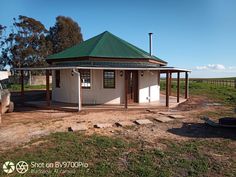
{"points": [[211, 67], [201, 67], [232, 68], [213, 71]]}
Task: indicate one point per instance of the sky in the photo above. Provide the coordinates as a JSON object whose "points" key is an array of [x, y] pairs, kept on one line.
{"points": [[195, 34]]}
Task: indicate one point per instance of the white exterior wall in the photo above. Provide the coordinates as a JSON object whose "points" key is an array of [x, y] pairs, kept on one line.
{"points": [[149, 90], [95, 95], [68, 87], [67, 92], [99, 95]]}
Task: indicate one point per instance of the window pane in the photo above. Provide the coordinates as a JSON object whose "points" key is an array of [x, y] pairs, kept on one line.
{"points": [[85, 78], [109, 79]]}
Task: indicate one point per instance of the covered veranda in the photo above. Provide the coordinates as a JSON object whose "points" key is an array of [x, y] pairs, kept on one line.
{"points": [[132, 106], [165, 100]]}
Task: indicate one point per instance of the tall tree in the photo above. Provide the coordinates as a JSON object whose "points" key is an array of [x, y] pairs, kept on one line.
{"points": [[3, 60], [27, 43], [64, 34], [2, 28]]}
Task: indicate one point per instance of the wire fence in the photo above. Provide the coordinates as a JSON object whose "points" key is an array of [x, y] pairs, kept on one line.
{"points": [[217, 82]]}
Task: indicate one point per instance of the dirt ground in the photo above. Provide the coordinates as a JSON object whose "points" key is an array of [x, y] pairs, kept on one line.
{"points": [[28, 123]]}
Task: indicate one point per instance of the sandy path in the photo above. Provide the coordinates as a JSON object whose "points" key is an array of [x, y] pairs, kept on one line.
{"points": [[21, 127]]}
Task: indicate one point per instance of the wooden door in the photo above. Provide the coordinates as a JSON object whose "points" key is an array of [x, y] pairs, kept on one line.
{"points": [[132, 86]]}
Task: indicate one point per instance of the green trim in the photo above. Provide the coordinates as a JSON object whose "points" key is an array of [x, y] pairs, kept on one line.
{"points": [[110, 64]]}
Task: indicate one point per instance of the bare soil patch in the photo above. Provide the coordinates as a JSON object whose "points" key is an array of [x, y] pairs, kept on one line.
{"points": [[28, 123]]}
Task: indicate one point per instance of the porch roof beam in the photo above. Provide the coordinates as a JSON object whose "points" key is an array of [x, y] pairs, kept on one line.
{"points": [[163, 70]]}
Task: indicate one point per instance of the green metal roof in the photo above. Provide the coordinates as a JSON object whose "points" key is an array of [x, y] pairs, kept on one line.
{"points": [[104, 45]]}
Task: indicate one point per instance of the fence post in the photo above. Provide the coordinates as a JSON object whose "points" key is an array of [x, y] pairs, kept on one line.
{"points": [[235, 83]]}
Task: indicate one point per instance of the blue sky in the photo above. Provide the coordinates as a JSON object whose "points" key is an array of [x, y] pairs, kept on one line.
{"points": [[194, 34]]}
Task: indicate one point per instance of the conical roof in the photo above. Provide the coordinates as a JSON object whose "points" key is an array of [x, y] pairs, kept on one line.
{"points": [[104, 45]]}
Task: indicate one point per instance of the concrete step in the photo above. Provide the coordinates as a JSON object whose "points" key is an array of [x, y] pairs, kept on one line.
{"points": [[78, 127], [103, 125], [176, 116], [163, 119], [143, 121], [125, 123]]}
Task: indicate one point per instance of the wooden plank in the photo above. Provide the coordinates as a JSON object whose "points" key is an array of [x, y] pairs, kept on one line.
{"points": [[47, 88]]}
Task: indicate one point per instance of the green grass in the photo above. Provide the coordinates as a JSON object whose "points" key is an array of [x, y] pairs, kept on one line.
{"points": [[17, 87], [223, 78], [226, 95], [108, 156]]}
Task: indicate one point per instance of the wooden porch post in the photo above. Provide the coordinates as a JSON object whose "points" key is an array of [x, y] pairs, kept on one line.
{"points": [[158, 78], [79, 93], [167, 89], [178, 86], [170, 83], [22, 85], [47, 88], [126, 90], [186, 85]]}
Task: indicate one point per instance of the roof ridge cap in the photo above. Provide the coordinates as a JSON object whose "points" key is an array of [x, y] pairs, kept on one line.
{"points": [[101, 37]]}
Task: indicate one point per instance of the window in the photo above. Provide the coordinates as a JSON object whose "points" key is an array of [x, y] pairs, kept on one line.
{"points": [[109, 79], [85, 78], [58, 78], [4, 84]]}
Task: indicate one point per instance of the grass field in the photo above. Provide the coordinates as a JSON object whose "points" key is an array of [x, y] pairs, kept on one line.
{"points": [[118, 157], [17, 87], [220, 94]]}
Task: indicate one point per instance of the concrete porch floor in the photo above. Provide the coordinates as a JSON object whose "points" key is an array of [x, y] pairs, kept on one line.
{"points": [[73, 107]]}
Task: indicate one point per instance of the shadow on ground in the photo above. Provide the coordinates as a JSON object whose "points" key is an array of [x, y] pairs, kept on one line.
{"points": [[202, 130], [29, 95]]}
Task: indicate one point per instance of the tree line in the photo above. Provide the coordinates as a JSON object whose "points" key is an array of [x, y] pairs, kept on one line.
{"points": [[29, 42]]}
